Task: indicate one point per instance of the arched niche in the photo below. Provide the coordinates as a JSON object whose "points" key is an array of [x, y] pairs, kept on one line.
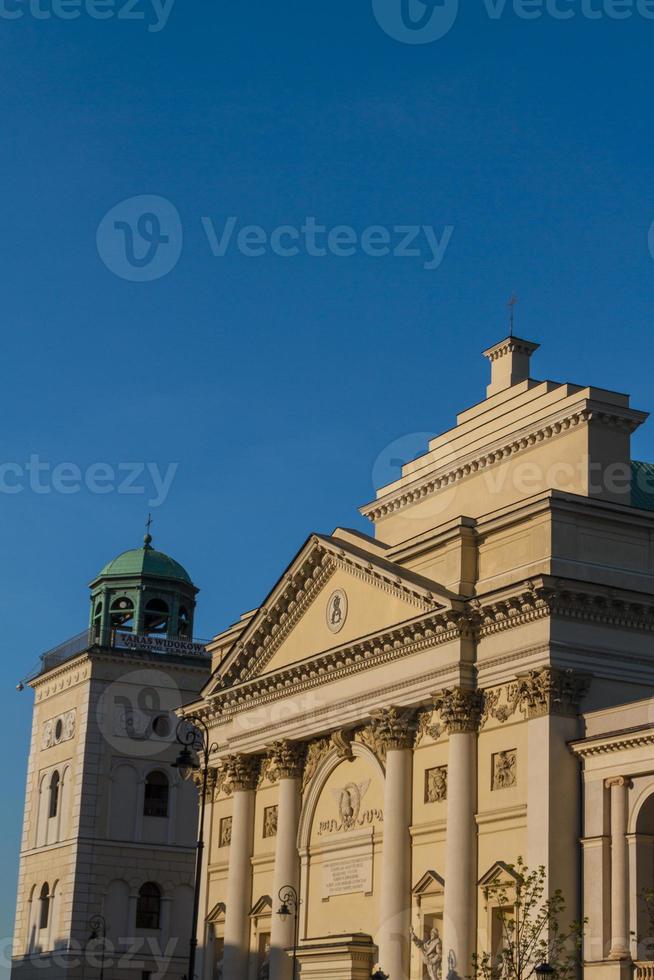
{"points": [[340, 842], [329, 764], [642, 868]]}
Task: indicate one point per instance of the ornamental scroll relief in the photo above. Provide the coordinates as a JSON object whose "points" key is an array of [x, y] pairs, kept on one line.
{"points": [[59, 729]]}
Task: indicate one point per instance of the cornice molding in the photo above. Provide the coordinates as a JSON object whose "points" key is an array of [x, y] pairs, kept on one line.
{"points": [[615, 742], [498, 452], [429, 631], [474, 620]]}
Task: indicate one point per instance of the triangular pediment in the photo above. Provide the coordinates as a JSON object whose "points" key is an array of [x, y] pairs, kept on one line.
{"points": [[338, 588], [217, 913], [499, 874], [431, 883], [261, 907]]}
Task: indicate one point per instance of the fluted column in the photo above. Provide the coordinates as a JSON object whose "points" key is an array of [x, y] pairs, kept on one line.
{"points": [[619, 869], [460, 711], [394, 735], [241, 775], [286, 760]]}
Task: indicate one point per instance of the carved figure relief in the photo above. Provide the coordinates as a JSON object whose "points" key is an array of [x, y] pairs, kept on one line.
{"points": [[337, 611], [270, 821], [225, 833], [436, 784], [505, 769], [431, 950]]}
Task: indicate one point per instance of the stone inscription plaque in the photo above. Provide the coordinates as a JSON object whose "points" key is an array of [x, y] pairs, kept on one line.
{"points": [[347, 876]]}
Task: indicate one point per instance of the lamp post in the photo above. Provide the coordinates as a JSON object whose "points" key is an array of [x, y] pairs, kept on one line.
{"points": [[379, 974], [544, 971], [98, 927], [290, 906], [193, 735]]}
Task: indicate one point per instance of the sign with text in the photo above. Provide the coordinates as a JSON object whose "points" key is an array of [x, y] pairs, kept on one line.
{"points": [[347, 875]]}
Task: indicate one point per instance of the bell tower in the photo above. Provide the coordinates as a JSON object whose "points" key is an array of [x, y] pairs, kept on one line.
{"points": [[109, 833], [142, 591]]}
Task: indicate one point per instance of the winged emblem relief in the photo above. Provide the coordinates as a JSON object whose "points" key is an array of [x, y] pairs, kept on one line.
{"points": [[348, 800]]}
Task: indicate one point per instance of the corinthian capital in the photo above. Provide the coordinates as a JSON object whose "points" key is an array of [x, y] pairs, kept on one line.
{"points": [[240, 772], [460, 709], [550, 690], [392, 728], [285, 760]]}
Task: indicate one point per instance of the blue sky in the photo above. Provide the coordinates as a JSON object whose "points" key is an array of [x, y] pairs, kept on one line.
{"points": [[275, 382]]}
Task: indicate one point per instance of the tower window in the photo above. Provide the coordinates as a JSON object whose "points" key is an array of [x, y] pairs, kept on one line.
{"points": [[122, 613], [156, 616], [44, 906], [54, 794], [156, 795], [97, 620], [148, 906], [183, 622]]}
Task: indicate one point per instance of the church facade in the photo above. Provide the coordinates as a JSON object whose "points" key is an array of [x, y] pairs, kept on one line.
{"points": [[107, 859], [408, 713]]}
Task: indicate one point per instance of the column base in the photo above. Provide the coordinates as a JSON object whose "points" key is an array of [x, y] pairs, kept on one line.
{"points": [[347, 957], [609, 970]]}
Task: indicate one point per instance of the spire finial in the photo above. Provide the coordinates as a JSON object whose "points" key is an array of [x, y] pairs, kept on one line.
{"points": [[512, 304], [147, 540]]}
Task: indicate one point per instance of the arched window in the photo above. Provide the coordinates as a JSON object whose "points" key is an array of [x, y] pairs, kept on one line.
{"points": [[122, 613], [183, 622], [44, 906], [53, 806], [97, 621], [148, 906], [156, 616], [156, 795]]}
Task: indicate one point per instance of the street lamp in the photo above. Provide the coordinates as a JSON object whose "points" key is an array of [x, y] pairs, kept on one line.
{"points": [[544, 971], [290, 906], [98, 927], [379, 974], [193, 735]]}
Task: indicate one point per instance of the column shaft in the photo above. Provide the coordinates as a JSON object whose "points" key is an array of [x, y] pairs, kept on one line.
{"points": [[395, 904], [619, 870], [239, 887], [461, 854], [287, 872]]}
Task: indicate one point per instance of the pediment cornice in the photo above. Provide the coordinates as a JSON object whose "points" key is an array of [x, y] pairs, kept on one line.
{"points": [[558, 424], [430, 630], [473, 619], [316, 563]]}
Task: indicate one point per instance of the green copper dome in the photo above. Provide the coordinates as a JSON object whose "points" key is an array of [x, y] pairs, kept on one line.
{"points": [[145, 561]]}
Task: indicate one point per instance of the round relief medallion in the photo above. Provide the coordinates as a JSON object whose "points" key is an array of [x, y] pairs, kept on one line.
{"points": [[337, 610]]}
